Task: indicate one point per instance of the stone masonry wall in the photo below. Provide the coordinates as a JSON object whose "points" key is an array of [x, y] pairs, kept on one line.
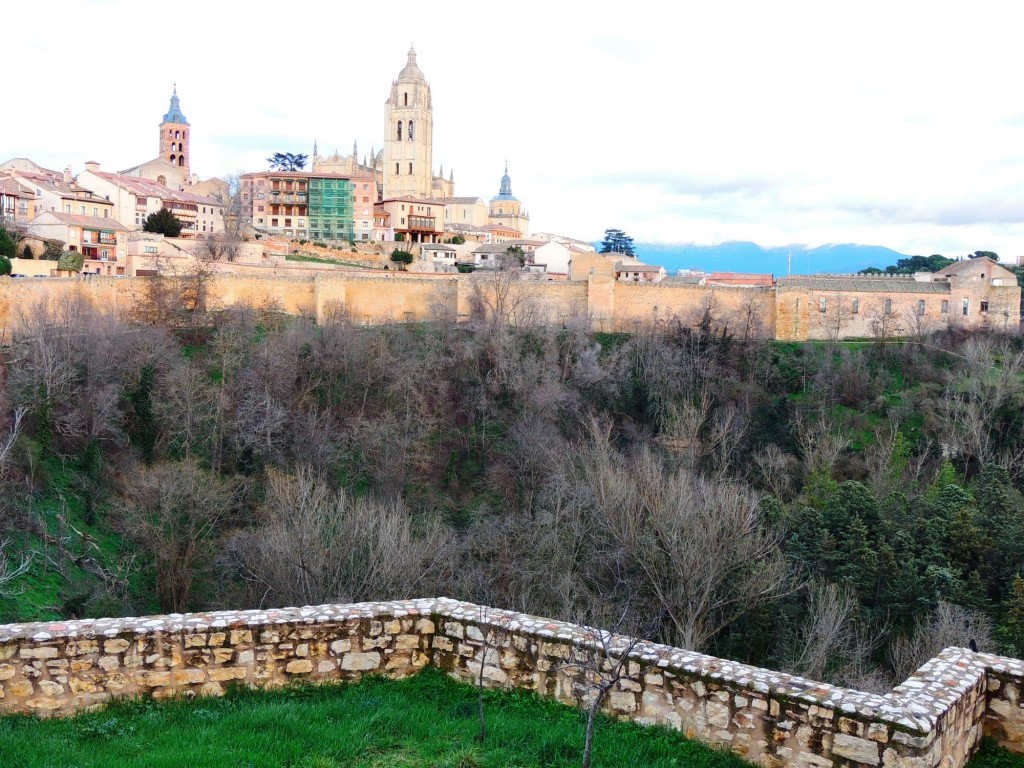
{"points": [[935, 718]]}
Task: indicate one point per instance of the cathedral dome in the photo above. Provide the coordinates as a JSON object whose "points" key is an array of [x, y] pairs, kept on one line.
{"points": [[174, 114], [411, 70], [505, 191]]}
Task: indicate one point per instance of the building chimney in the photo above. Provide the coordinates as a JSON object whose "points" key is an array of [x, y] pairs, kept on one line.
{"points": [[92, 165], [67, 174]]}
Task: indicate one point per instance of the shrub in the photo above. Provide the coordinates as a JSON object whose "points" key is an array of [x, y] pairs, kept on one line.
{"points": [[5, 265], [71, 261], [52, 249], [401, 257], [8, 248]]}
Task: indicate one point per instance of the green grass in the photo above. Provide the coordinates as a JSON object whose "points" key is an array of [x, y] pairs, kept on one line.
{"points": [[427, 720], [318, 260], [991, 755]]}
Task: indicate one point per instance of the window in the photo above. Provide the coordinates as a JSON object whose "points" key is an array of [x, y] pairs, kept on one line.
{"points": [[81, 208], [411, 137], [366, 186], [984, 307], [945, 306], [888, 306], [856, 306], [67, 208], [920, 308], [366, 198], [406, 98], [410, 169], [822, 304], [396, 169], [106, 213], [273, 222], [399, 133], [966, 306], [95, 211]]}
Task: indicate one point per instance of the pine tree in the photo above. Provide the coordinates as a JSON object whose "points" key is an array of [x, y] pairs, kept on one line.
{"points": [[617, 241], [163, 222]]}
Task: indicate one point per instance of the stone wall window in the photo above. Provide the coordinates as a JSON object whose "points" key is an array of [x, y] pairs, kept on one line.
{"points": [[966, 306], [411, 137], [856, 306], [920, 308], [984, 307], [888, 306], [399, 133], [822, 304], [945, 306]]}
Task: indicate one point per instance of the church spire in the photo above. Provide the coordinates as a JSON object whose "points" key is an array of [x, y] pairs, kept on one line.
{"points": [[174, 114], [355, 151]]}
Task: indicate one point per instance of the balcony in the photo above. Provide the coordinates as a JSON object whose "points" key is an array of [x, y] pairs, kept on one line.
{"points": [[288, 198]]}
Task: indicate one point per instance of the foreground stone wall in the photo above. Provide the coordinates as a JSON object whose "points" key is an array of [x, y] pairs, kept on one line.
{"points": [[935, 718]]}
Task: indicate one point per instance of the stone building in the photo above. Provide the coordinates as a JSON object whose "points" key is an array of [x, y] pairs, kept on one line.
{"points": [[301, 204]]}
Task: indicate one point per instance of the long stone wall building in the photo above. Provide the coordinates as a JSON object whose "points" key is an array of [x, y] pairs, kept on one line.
{"points": [[977, 295]]}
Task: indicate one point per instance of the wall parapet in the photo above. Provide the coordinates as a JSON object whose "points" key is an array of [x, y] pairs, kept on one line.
{"points": [[935, 718]]}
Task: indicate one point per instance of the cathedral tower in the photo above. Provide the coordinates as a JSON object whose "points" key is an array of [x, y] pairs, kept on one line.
{"points": [[174, 137], [409, 134]]}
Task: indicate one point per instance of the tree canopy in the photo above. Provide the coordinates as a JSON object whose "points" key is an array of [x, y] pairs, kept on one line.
{"points": [[286, 161], [911, 264], [8, 247], [617, 241], [163, 222]]}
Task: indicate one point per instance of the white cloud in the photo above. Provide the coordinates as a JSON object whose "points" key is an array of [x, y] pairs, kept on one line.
{"points": [[889, 123]]}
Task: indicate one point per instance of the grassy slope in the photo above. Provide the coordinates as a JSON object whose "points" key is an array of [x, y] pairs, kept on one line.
{"points": [[428, 720]]}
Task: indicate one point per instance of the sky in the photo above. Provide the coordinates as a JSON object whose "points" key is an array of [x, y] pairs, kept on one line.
{"points": [[896, 123]]}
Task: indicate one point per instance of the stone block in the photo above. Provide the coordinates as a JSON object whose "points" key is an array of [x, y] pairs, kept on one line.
{"points": [[878, 732], [217, 639], [341, 646], [620, 701], [326, 666], [855, 748], [392, 627], [81, 647], [81, 685], [21, 689], [50, 688], [425, 627], [223, 655], [7, 671], [302, 650], [717, 714], [153, 679], [227, 673], [239, 636], [360, 662], [116, 645], [298, 667], [43, 652], [453, 629], [442, 643], [188, 676], [109, 663], [246, 657]]}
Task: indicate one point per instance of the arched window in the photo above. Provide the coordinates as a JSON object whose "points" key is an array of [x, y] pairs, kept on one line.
{"points": [[396, 169], [410, 169], [399, 134], [170, 132], [177, 135], [411, 138], [183, 134], [173, 158], [161, 179], [406, 99], [181, 160]]}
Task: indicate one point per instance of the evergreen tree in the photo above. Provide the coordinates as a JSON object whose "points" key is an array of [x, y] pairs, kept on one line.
{"points": [[286, 161], [163, 222], [617, 241], [8, 248]]}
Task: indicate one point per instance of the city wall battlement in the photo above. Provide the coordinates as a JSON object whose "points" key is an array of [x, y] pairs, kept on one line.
{"points": [[936, 718]]}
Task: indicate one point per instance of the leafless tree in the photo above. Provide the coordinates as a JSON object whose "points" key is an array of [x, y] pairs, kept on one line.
{"points": [[821, 445], [217, 246], [601, 659], [774, 470], [884, 323], [175, 512], [314, 545], [699, 549], [948, 625], [834, 320]]}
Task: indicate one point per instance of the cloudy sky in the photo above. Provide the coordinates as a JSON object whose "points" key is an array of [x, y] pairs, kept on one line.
{"points": [[896, 123]]}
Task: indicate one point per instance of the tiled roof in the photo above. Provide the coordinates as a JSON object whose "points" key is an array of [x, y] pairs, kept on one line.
{"points": [[10, 186], [636, 267], [93, 222], [855, 283], [461, 200], [740, 278], [148, 188]]}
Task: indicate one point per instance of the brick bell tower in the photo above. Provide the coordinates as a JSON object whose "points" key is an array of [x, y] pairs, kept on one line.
{"points": [[174, 137]]}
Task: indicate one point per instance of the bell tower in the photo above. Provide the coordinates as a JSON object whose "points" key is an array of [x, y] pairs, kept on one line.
{"points": [[409, 134], [174, 137]]}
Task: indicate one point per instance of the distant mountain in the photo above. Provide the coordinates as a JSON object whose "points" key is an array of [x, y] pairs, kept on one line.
{"points": [[742, 256]]}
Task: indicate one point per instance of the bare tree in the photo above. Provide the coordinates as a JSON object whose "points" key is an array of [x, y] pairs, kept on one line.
{"points": [[218, 246], [602, 659], [699, 549], [315, 545], [835, 318], [948, 625], [175, 512]]}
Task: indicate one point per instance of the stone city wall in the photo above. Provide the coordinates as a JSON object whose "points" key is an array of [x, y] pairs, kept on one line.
{"points": [[935, 718]]}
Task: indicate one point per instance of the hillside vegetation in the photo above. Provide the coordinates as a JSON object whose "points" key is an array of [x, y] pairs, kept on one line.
{"points": [[841, 511]]}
